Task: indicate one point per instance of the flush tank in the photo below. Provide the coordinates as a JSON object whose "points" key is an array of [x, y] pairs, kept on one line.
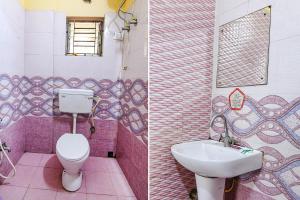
{"points": [[75, 100]]}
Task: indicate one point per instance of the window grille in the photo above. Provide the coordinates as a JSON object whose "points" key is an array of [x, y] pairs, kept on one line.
{"points": [[84, 36]]}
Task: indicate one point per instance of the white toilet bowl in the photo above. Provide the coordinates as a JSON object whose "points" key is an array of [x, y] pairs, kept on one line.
{"points": [[72, 150]]}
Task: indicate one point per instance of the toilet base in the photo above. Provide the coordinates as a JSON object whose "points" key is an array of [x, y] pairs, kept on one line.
{"points": [[71, 182]]}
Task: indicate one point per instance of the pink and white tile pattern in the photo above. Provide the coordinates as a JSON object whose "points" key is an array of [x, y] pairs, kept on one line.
{"points": [[135, 107], [37, 96], [35, 99], [132, 156], [181, 48]]}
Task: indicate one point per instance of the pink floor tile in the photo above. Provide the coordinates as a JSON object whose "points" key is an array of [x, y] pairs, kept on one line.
{"points": [[103, 179], [38, 194], [99, 183], [50, 161], [127, 198], [101, 197], [121, 185], [23, 176], [12, 192], [114, 166], [46, 178], [31, 159], [96, 164], [70, 196]]}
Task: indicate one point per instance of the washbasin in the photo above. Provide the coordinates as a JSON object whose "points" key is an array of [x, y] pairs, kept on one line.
{"points": [[212, 163], [210, 158]]}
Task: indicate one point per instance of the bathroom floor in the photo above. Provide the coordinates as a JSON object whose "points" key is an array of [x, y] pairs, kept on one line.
{"points": [[39, 177]]}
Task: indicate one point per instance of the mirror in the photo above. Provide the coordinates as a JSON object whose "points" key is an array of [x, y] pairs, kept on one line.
{"points": [[243, 55]]}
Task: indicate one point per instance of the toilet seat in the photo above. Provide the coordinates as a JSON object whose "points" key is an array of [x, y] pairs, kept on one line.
{"points": [[72, 147]]}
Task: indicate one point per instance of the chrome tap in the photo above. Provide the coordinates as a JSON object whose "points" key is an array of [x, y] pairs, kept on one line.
{"points": [[228, 141]]}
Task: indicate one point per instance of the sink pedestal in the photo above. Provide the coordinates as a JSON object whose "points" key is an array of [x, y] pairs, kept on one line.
{"points": [[210, 188], [210, 158]]}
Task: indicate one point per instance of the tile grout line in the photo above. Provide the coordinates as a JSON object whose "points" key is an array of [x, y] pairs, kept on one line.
{"points": [[27, 188], [109, 171]]}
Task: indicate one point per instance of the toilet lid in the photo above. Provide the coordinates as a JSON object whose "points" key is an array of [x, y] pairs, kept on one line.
{"points": [[72, 146]]}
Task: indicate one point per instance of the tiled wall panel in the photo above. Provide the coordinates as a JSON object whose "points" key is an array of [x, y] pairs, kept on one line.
{"points": [[14, 137], [181, 41], [135, 107], [269, 120], [270, 125], [12, 20], [132, 156], [132, 148], [45, 41], [42, 134], [36, 99], [132, 153]]}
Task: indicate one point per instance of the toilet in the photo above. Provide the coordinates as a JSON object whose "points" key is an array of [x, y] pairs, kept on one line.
{"points": [[72, 149]]}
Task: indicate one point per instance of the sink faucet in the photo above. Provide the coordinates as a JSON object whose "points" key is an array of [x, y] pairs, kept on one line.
{"points": [[228, 141]]}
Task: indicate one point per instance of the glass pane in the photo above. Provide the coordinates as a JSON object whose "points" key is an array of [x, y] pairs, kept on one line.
{"points": [[92, 44], [85, 24], [84, 37], [89, 50], [85, 31]]}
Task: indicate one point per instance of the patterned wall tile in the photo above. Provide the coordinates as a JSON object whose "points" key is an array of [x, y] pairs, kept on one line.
{"points": [[12, 105], [134, 103], [132, 156], [181, 42], [34, 99], [272, 126], [37, 96]]}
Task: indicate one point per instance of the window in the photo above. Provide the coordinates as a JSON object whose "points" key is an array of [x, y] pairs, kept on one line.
{"points": [[84, 36]]}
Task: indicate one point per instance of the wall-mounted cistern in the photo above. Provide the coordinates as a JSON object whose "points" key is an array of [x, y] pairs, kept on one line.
{"points": [[228, 141]]}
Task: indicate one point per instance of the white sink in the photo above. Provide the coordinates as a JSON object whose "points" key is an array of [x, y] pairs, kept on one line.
{"points": [[211, 159], [212, 163]]}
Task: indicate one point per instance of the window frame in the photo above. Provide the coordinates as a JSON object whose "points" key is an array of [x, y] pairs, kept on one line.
{"points": [[100, 35]]}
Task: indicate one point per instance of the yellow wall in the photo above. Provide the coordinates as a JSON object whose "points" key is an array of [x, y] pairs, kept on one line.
{"points": [[22, 3], [76, 7]]}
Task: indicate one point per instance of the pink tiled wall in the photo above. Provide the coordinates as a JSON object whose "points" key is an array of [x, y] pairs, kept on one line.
{"points": [[181, 43], [12, 118], [42, 134], [132, 156], [14, 136], [132, 148], [12, 19], [132, 153], [34, 101]]}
